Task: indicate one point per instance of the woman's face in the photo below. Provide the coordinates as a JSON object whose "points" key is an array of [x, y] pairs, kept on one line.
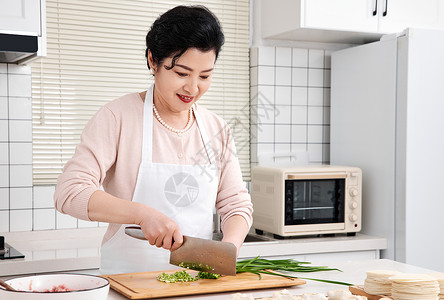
{"points": [[181, 86]]}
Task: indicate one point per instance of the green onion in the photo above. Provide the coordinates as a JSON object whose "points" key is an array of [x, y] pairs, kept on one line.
{"points": [[181, 276], [194, 266], [260, 266], [207, 275]]}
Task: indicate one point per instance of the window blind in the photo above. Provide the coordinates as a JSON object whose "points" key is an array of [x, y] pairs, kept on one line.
{"points": [[96, 54]]}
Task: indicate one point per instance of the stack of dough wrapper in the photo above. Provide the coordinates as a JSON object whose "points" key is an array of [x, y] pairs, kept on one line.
{"points": [[415, 287], [378, 282], [440, 278]]}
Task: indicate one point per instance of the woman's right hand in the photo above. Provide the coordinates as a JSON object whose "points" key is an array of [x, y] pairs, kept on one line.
{"points": [[159, 229]]}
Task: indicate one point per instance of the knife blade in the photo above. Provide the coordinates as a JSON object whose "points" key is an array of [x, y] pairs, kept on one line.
{"points": [[199, 254]]}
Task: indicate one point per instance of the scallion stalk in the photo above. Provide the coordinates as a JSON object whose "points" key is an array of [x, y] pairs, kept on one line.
{"points": [[260, 266]]}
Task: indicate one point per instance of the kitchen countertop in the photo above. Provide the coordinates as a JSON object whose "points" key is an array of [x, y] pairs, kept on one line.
{"points": [[79, 249], [53, 250]]}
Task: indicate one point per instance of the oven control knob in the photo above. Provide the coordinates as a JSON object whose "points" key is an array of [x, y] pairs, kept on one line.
{"points": [[353, 205], [353, 217], [354, 192]]}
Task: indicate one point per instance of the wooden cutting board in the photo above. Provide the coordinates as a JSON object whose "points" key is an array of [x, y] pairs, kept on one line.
{"points": [[145, 285], [359, 290]]}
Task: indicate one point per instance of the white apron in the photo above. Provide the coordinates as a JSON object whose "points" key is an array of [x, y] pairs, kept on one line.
{"points": [[185, 193]]}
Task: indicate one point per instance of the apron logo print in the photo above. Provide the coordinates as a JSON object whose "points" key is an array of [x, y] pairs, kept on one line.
{"points": [[181, 189]]}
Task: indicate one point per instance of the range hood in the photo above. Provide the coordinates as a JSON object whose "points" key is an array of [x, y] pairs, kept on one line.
{"points": [[16, 48]]}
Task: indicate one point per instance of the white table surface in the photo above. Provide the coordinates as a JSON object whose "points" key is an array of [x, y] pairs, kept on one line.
{"points": [[352, 272]]}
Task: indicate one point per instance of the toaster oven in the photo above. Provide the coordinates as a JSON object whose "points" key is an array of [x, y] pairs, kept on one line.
{"points": [[306, 200]]}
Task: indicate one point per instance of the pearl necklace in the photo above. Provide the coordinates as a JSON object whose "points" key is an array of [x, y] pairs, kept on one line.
{"points": [[178, 131]]}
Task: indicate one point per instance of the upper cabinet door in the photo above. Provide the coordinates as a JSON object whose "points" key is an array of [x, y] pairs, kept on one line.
{"points": [[335, 21], [396, 15], [345, 21], [20, 17], [347, 15]]}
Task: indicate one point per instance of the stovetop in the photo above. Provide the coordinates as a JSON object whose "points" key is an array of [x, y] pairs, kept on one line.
{"points": [[8, 252]]}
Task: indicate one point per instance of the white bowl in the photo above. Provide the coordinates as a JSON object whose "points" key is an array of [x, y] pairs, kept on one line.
{"points": [[55, 286]]}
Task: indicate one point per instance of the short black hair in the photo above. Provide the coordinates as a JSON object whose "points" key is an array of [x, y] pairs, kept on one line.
{"points": [[181, 28]]}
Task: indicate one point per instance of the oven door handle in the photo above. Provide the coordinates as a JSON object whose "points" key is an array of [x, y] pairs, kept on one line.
{"points": [[316, 176]]}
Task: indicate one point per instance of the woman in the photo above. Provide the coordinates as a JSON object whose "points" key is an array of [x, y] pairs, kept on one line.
{"points": [[164, 162]]}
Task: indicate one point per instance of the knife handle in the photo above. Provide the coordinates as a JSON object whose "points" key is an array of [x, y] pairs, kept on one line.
{"points": [[135, 232]]}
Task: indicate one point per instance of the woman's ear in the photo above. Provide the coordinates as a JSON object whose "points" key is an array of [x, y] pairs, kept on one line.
{"points": [[151, 62]]}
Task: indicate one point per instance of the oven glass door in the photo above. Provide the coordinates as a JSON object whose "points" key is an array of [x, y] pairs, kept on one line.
{"points": [[314, 201]]}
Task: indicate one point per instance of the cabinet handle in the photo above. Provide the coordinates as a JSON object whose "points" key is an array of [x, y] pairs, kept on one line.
{"points": [[384, 13], [375, 11]]}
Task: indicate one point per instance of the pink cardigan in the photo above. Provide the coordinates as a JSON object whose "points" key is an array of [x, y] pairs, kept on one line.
{"points": [[109, 154]]}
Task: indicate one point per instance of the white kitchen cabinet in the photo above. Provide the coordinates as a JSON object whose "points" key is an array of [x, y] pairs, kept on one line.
{"points": [[349, 21], [386, 118], [21, 17], [349, 15], [22, 30], [401, 14]]}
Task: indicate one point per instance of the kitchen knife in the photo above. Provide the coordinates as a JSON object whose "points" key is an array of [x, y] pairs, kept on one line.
{"points": [[199, 254]]}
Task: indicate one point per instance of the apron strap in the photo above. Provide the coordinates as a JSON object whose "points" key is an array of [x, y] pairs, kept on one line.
{"points": [[147, 126], [204, 135]]}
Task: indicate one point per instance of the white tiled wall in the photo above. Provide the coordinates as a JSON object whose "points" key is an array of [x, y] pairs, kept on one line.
{"points": [[290, 102], [23, 207]]}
